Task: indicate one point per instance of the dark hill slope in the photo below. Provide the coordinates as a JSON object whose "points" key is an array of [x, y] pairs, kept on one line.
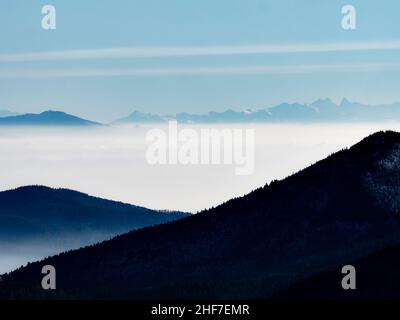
{"points": [[377, 277], [341, 208], [37, 211]]}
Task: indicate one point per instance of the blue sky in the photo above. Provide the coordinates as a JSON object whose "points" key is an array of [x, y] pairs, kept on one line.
{"points": [[108, 58]]}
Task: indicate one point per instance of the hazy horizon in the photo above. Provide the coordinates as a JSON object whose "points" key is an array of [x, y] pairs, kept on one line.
{"points": [[12, 113], [167, 57]]}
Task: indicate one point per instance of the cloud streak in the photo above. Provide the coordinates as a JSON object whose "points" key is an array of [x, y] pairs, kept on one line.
{"points": [[200, 71], [154, 52]]}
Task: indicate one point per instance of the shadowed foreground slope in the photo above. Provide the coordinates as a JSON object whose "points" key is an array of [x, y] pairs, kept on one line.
{"points": [[337, 210], [377, 277]]}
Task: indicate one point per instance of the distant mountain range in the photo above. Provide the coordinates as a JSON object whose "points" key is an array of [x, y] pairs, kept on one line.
{"points": [[47, 118], [323, 110], [336, 211]]}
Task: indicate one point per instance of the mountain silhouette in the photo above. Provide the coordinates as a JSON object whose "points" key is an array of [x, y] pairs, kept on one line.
{"points": [[340, 209], [321, 110], [35, 212], [47, 118]]}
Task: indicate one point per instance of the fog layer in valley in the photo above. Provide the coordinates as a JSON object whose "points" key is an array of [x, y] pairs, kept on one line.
{"points": [[111, 163], [16, 254]]}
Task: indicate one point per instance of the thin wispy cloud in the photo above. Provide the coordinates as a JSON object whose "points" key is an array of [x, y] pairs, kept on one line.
{"points": [[132, 53], [200, 71]]}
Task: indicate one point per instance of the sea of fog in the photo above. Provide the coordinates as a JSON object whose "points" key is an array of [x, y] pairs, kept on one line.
{"points": [[110, 162]]}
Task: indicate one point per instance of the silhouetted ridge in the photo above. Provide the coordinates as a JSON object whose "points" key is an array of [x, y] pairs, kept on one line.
{"points": [[56, 211], [340, 209]]}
